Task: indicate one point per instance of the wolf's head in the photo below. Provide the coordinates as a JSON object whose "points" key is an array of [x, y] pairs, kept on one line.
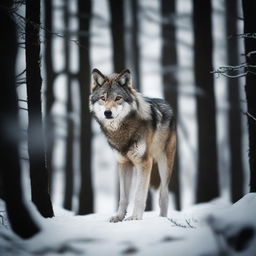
{"points": [[112, 97]]}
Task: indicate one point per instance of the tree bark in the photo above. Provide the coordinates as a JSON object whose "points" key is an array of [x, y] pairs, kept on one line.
{"points": [[36, 148], [19, 216], [249, 10], [234, 115], [117, 32], [170, 83], [135, 43], [69, 169], [207, 181], [86, 190], [49, 97]]}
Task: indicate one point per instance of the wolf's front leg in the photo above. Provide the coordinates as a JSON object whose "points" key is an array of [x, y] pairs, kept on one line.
{"points": [[125, 176], [143, 178]]}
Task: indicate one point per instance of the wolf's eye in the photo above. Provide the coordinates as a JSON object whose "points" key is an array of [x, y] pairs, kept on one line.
{"points": [[103, 98], [118, 98]]}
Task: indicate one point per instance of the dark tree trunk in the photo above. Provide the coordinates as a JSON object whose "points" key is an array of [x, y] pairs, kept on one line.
{"points": [[207, 181], [36, 150], [135, 43], [234, 115], [69, 169], [49, 96], [117, 32], [19, 216], [86, 190], [149, 206], [249, 10], [170, 82]]}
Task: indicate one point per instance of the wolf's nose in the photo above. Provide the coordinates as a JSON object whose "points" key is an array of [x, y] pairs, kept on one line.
{"points": [[108, 113]]}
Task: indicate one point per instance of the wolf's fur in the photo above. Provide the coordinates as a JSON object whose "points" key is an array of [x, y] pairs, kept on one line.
{"points": [[141, 131]]}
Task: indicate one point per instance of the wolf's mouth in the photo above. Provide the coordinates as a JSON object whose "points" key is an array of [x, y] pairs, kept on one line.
{"points": [[110, 117]]}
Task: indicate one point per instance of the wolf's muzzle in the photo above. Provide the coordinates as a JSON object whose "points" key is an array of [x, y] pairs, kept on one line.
{"points": [[108, 113]]}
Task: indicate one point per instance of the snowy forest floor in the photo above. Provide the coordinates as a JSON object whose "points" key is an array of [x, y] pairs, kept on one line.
{"points": [[200, 230]]}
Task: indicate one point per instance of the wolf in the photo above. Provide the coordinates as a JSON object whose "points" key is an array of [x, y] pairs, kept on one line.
{"points": [[142, 133]]}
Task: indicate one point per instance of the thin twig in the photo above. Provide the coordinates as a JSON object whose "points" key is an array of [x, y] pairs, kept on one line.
{"points": [[233, 76], [21, 108], [247, 35], [251, 116], [188, 222], [175, 223], [21, 100], [76, 41], [224, 70], [21, 73], [249, 54]]}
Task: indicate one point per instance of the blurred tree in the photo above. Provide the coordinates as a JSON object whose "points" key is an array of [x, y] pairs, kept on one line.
{"points": [[135, 43], [207, 181], [118, 46], [19, 216], [118, 34], [49, 94], [170, 82], [86, 190], [36, 150], [69, 169], [235, 123], [249, 10]]}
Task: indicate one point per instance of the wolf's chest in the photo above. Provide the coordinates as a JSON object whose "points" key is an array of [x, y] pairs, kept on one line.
{"points": [[122, 141]]}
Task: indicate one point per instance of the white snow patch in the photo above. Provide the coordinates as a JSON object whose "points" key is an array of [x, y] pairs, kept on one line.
{"points": [[179, 234]]}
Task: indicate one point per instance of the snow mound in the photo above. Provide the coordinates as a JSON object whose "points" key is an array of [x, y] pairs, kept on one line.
{"points": [[204, 229]]}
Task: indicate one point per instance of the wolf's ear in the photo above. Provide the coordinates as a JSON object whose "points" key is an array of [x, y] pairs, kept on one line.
{"points": [[97, 79], [125, 78]]}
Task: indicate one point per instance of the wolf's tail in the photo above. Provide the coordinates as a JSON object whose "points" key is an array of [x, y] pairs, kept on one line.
{"points": [[155, 178]]}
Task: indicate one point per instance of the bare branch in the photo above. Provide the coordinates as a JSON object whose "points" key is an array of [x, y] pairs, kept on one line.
{"points": [[189, 224], [21, 100], [226, 70], [231, 76], [21, 108], [175, 223], [247, 35], [35, 25], [249, 54], [251, 116], [21, 73]]}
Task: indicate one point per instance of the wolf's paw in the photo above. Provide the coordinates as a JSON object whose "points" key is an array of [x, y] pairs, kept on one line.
{"points": [[133, 218], [116, 218]]}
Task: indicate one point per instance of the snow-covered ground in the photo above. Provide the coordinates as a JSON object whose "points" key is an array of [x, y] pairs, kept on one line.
{"points": [[200, 230]]}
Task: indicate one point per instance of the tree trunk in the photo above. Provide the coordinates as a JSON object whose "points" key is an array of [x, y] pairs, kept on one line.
{"points": [[49, 97], [234, 115], [207, 181], [149, 206], [69, 169], [135, 51], [19, 216], [170, 82], [118, 40], [135, 43], [86, 190], [36, 150], [249, 10], [118, 32]]}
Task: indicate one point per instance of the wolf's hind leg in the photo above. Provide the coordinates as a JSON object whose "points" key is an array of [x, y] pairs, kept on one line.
{"points": [[165, 166], [165, 177], [125, 177]]}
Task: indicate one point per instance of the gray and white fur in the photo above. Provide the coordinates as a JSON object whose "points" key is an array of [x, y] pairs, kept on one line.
{"points": [[142, 133]]}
